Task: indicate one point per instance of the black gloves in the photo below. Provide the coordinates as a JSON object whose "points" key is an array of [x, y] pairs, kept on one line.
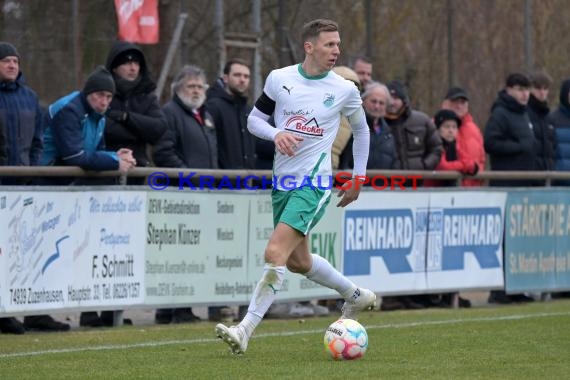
{"points": [[118, 116]]}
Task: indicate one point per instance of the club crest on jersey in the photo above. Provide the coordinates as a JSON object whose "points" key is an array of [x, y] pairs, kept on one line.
{"points": [[300, 124], [328, 100]]}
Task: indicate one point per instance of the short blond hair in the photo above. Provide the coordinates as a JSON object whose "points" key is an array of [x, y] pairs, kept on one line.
{"points": [[312, 29]]}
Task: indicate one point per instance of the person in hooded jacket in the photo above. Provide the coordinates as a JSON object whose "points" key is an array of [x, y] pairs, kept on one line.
{"points": [[538, 112], [135, 117], [560, 119], [509, 134]]}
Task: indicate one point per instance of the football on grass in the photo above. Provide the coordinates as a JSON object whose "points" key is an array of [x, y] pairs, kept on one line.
{"points": [[346, 339]]}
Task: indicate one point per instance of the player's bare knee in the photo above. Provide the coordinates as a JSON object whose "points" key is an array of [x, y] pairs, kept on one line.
{"points": [[274, 255]]}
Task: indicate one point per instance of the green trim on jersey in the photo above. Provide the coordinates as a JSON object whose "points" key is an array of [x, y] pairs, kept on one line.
{"points": [[301, 208], [318, 164], [311, 77]]}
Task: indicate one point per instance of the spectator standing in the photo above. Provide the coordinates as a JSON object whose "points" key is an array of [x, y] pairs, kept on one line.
{"points": [[189, 142], [509, 135], [190, 138], [74, 136], [382, 154], [418, 147], [362, 66], [511, 144], [20, 145], [134, 118], [344, 134], [469, 139], [227, 103], [75, 128], [228, 106], [538, 112], [453, 157], [560, 119]]}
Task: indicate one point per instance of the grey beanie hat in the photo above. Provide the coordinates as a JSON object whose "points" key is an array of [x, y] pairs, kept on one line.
{"points": [[8, 50], [99, 80]]}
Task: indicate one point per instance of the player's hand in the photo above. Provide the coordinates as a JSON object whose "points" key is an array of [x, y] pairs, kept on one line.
{"points": [[286, 143], [348, 196]]}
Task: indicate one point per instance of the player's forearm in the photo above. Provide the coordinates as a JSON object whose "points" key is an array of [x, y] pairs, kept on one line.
{"points": [[257, 124], [361, 143]]}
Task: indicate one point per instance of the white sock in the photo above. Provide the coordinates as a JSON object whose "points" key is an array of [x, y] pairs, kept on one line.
{"points": [[323, 273], [263, 296]]}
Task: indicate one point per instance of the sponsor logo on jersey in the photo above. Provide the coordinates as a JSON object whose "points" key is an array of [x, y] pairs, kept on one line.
{"points": [[300, 124]]}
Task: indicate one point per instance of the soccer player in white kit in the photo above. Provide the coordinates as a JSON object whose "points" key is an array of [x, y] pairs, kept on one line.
{"points": [[306, 100]]}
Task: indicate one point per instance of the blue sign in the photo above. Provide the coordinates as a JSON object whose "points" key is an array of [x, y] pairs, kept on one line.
{"points": [[537, 241], [387, 234], [441, 237], [475, 230]]}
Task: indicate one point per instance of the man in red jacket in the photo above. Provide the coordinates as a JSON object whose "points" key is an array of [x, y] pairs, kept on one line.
{"points": [[469, 137]]}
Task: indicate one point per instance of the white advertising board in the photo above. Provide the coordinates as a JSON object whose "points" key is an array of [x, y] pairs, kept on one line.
{"points": [[69, 250]]}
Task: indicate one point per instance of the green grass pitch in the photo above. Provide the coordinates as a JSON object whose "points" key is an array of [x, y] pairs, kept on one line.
{"points": [[529, 341]]}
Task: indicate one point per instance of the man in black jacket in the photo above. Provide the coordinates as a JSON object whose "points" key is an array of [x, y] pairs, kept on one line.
{"points": [[418, 145], [227, 103], [538, 111], [509, 135], [511, 145], [135, 118], [190, 139]]}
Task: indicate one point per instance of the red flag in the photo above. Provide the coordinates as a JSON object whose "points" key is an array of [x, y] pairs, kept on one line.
{"points": [[138, 20]]}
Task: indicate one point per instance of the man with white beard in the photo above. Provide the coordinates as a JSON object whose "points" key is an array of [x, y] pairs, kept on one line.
{"points": [[189, 142], [190, 139]]}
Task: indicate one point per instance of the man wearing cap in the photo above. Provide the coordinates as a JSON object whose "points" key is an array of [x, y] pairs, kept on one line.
{"points": [[20, 113], [74, 136], [75, 126], [469, 137], [20, 131], [135, 118], [20, 145]]}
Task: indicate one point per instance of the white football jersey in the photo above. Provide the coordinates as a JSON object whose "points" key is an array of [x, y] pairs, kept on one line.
{"points": [[309, 107]]}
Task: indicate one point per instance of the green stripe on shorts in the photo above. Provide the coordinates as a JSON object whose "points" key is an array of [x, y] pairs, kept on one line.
{"points": [[301, 208]]}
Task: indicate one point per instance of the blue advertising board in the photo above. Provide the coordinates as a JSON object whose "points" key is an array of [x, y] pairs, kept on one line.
{"points": [[537, 241]]}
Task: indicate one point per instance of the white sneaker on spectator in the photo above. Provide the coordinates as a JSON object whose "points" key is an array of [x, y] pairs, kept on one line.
{"points": [[320, 311], [364, 299], [233, 336], [300, 310]]}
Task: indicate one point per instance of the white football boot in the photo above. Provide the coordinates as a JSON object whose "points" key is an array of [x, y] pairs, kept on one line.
{"points": [[363, 299], [234, 336]]}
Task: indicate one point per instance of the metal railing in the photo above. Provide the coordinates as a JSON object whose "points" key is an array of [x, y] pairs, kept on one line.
{"points": [[74, 171]]}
